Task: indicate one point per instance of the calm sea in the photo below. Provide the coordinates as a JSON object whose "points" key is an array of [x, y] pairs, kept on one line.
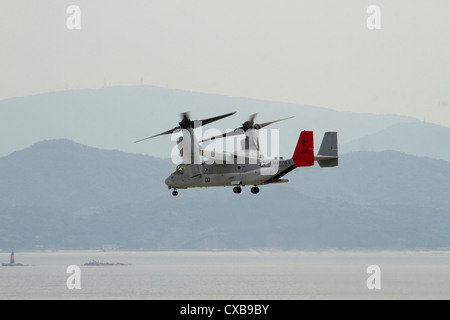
{"points": [[255, 275]]}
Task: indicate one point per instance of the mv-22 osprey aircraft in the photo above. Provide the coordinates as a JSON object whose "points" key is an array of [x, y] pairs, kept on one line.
{"points": [[246, 166]]}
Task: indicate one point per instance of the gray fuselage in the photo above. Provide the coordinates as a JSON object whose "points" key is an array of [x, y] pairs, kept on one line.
{"points": [[217, 175]]}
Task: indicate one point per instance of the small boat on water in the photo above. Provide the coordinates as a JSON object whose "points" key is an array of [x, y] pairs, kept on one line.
{"points": [[12, 262], [101, 263]]}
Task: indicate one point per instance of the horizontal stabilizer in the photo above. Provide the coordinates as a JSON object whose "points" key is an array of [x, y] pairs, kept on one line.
{"points": [[327, 161]]}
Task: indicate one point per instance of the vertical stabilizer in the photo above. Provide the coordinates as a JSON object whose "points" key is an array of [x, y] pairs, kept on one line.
{"points": [[304, 152], [328, 152], [329, 145]]}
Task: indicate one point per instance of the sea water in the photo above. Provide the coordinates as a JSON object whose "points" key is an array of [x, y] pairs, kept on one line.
{"points": [[255, 275]]}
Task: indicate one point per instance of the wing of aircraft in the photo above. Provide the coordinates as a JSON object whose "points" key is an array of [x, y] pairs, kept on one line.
{"points": [[237, 157]]}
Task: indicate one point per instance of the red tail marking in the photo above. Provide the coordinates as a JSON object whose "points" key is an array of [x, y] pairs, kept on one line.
{"points": [[304, 152]]}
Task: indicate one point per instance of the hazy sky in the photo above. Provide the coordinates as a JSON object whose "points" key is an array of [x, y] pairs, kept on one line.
{"points": [[319, 53]]}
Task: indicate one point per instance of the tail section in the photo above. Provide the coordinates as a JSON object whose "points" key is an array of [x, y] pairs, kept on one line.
{"points": [[328, 152], [304, 152]]}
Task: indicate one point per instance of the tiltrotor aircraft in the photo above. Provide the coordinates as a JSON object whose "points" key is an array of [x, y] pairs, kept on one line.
{"points": [[244, 167]]}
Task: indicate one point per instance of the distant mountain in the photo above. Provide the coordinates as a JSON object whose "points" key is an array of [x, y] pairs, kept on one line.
{"points": [[60, 194], [65, 174], [374, 178], [114, 117], [415, 138]]}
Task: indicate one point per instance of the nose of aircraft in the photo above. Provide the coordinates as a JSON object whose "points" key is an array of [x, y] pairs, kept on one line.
{"points": [[168, 181]]}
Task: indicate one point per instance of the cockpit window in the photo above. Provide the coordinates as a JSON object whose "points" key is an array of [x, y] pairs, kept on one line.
{"points": [[179, 170]]}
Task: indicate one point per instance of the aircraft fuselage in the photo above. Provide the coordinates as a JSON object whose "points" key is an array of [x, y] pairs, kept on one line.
{"points": [[218, 175]]}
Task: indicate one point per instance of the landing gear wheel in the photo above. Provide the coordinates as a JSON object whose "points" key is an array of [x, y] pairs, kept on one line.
{"points": [[237, 189], [254, 190], [174, 193]]}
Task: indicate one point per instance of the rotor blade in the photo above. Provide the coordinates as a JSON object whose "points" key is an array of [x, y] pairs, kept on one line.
{"points": [[186, 122], [160, 134], [252, 117], [250, 123], [216, 137], [199, 123], [265, 124], [235, 132], [185, 115]]}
